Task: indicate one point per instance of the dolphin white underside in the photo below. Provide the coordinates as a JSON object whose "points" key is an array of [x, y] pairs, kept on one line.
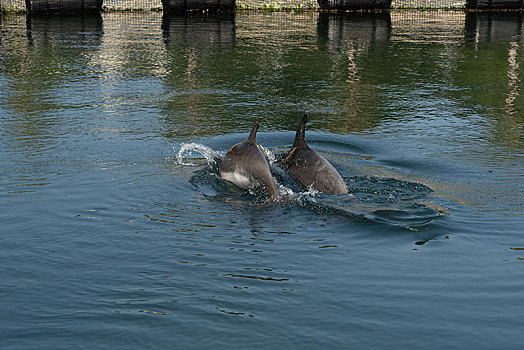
{"points": [[240, 179]]}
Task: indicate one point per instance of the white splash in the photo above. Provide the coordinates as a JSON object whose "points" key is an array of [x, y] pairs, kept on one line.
{"points": [[270, 155], [189, 148], [299, 197]]}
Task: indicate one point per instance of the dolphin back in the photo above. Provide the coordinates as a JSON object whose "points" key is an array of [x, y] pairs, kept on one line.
{"points": [[313, 170], [310, 168], [246, 164]]}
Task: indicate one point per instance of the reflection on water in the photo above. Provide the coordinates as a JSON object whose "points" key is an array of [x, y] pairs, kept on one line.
{"points": [[347, 40], [504, 33], [353, 72], [195, 45], [43, 55], [493, 27], [337, 29], [198, 29]]}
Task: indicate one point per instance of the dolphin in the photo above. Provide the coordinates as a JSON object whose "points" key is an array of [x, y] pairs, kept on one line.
{"points": [[310, 168], [246, 165]]}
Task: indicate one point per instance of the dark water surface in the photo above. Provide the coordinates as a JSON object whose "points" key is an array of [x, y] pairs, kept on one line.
{"points": [[108, 240]]}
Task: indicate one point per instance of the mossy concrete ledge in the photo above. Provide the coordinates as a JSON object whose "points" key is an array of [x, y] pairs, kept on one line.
{"points": [[344, 5], [63, 6], [198, 5]]}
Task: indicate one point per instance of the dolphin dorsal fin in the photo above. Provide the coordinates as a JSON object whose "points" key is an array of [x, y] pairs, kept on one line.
{"points": [[300, 137], [253, 135]]}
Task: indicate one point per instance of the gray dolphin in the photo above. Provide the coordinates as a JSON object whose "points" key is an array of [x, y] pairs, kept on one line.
{"points": [[246, 164], [311, 169]]}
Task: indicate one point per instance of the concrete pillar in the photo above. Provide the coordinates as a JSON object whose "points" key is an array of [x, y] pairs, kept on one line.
{"points": [[341, 5], [494, 4], [198, 5], [63, 6]]}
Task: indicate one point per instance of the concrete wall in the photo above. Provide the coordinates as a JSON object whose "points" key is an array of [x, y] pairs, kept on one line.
{"points": [[354, 4], [64, 6], [494, 4], [147, 5], [94, 5], [188, 5]]}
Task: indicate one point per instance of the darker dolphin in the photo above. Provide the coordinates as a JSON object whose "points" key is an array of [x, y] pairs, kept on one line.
{"points": [[246, 165], [311, 169]]}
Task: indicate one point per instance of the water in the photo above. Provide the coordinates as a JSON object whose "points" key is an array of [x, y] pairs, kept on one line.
{"points": [[117, 231]]}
